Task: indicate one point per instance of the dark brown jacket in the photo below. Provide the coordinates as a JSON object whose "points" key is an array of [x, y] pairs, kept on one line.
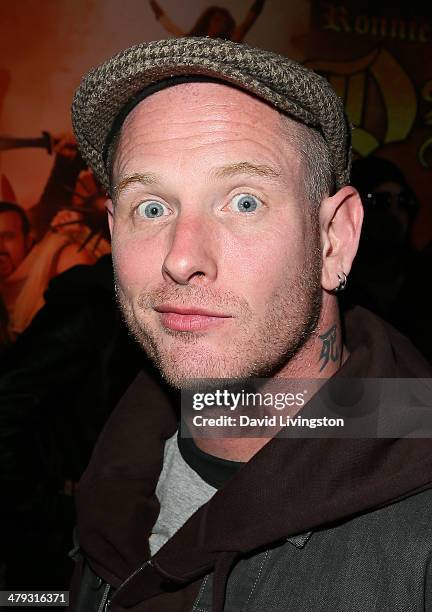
{"points": [[318, 482]]}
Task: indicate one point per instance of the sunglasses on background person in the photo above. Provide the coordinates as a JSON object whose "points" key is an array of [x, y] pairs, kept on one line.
{"points": [[382, 200]]}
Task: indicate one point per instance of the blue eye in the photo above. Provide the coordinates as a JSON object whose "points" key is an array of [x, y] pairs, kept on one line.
{"points": [[244, 202], [151, 210]]}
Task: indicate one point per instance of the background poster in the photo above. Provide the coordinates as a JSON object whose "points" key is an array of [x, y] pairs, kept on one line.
{"points": [[377, 57], [57, 393], [46, 46]]}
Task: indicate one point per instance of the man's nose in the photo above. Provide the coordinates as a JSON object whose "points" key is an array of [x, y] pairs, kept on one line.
{"points": [[191, 252]]}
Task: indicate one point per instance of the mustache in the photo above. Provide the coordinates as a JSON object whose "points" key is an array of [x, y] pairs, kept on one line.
{"points": [[191, 295]]}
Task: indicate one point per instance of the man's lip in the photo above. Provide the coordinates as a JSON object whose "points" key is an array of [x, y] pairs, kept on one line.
{"points": [[189, 319], [186, 310]]}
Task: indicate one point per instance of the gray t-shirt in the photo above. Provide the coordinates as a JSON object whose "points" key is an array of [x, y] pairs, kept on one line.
{"points": [[180, 491]]}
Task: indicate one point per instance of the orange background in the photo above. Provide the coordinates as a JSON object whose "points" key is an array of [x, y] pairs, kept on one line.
{"points": [[47, 45]]}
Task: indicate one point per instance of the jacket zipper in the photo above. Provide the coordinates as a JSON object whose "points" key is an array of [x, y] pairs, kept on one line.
{"points": [[105, 602]]}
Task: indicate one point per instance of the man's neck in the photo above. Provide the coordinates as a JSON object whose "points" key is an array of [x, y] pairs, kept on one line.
{"points": [[319, 359]]}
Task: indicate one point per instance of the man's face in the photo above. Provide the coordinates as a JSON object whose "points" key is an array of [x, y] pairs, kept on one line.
{"points": [[217, 260], [13, 243]]}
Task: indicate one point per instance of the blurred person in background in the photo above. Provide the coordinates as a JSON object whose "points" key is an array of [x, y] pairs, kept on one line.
{"points": [[389, 276], [15, 242], [65, 228], [15, 238]]}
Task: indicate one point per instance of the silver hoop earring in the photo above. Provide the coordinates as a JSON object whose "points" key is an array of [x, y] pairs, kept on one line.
{"points": [[342, 283]]}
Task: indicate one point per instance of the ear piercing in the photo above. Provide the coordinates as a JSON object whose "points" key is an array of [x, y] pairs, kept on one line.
{"points": [[342, 283]]}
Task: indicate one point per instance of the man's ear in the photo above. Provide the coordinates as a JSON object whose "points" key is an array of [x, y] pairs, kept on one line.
{"points": [[110, 210], [341, 217]]}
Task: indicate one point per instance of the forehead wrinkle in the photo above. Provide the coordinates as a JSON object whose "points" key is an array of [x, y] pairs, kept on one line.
{"points": [[177, 132]]}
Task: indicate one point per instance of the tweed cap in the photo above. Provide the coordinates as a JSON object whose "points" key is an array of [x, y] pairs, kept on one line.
{"points": [[107, 90]]}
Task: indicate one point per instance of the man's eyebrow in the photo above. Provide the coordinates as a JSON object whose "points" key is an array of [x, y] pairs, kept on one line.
{"points": [[227, 171], [146, 178], [245, 167]]}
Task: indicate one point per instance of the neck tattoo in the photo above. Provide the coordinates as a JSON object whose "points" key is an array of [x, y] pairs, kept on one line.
{"points": [[329, 349]]}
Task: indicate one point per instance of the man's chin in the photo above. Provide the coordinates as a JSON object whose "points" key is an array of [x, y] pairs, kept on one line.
{"points": [[193, 373], [6, 269]]}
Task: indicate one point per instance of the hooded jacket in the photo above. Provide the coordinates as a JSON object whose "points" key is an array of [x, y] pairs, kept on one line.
{"points": [[329, 481]]}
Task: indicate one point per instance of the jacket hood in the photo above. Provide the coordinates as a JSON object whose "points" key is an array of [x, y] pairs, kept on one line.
{"points": [[304, 483]]}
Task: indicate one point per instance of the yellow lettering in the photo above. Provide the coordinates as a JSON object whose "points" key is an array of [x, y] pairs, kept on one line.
{"points": [[361, 24], [374, 24], [379, 26], [336, 18], [398, 29], [412, 31]]}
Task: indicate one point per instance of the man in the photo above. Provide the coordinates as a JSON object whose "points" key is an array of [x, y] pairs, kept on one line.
{"points": [[15, 238], [15, 243], [232, 226], [27, 269], [388, 273]]}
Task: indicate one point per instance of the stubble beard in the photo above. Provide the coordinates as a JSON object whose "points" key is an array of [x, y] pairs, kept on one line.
{"points": [[258, 347]]}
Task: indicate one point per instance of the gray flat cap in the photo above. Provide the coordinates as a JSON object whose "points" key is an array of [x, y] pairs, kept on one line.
{"points": [[106, 91]]}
